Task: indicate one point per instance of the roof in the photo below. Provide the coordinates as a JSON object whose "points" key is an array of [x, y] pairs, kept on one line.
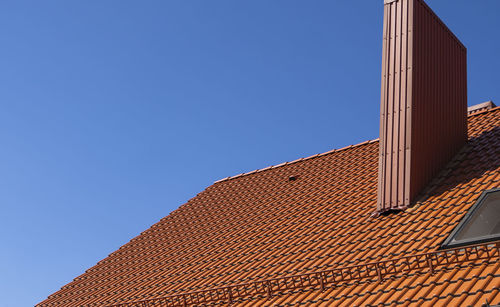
{"points": [[481, 107], [253, 233]]}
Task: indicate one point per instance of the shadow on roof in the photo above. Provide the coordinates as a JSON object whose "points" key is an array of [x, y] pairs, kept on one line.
{"points": [[479, 156]]}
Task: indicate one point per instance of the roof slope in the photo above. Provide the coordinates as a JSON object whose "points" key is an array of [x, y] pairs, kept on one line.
{"points": [[262, 225]]}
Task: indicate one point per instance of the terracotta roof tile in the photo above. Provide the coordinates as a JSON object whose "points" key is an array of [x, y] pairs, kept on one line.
{"points": [[259, 226]]}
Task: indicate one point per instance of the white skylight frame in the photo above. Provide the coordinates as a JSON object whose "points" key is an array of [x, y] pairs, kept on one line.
{"points": [[449, 242]]}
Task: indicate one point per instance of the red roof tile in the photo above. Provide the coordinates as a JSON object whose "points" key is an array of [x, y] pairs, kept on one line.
{"points": [[261, 226]]}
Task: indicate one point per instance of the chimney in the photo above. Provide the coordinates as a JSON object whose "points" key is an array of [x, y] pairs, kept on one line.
{"points": [[423, 112]]}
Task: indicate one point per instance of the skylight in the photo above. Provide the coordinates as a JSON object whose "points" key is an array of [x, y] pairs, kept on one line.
{"points": [[480, 224]]}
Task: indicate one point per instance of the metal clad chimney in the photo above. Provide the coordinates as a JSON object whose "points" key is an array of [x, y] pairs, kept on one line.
{"points": [[423, 113]]}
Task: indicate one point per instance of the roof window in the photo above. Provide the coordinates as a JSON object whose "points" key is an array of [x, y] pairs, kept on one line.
{"points": [[481, 224]]}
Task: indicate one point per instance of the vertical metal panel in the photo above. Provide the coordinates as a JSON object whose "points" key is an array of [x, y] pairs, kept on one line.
{"points": [[395, 105], [383, 107], [409, 97], [440, 103], [423, 101], [403, 104]]}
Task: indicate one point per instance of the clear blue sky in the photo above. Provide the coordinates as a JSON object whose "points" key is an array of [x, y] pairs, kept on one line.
{"points": [[114, 113]]}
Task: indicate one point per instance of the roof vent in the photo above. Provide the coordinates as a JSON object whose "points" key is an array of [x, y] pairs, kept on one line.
{"points": [[292, 178], [481, 107], [423, 114]]}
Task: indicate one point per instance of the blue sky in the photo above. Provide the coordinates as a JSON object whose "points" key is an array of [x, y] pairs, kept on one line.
{"points": [[114, 113]]}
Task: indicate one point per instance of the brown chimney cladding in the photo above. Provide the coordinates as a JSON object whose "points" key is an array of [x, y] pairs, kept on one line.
{"points": [[423, 114]]}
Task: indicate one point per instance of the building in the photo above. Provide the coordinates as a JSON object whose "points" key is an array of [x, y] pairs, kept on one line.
{"points": [[412, 218]]}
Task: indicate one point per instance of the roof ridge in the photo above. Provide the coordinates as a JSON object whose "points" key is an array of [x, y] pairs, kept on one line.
{"points": [[298, 160], [329, 152], [484, 111]]}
